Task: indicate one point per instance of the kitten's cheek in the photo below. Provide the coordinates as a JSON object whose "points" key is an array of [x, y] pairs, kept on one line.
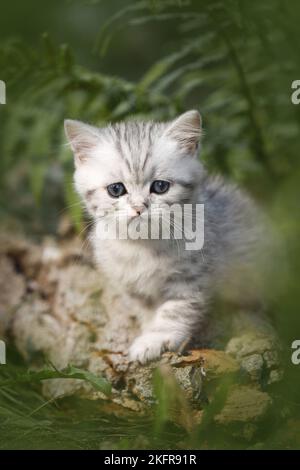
{"points": [[100, 213]]}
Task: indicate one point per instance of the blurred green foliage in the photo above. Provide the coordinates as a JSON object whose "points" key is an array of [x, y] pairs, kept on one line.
{"points": [[233, 60], [103, 61]]}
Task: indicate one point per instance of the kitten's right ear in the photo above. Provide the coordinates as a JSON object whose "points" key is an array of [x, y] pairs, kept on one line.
{"points": [[186, 130], [82, 138]]}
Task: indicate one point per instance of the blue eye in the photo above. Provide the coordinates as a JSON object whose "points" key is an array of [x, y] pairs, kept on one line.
{"points": [[116, 189], [159, 186]]}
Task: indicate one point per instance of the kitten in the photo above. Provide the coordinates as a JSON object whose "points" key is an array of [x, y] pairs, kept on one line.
{"points": [[131, 167]]}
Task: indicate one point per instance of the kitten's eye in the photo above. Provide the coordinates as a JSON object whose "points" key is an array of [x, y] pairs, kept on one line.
{"points": [[116, 189], [159, 186]]}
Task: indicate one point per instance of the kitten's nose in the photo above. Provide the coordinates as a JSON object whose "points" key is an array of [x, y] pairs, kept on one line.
{"points": [[139, 209]]}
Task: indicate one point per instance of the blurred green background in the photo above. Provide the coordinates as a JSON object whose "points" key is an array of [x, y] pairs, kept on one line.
{"points": [[106, 60]]}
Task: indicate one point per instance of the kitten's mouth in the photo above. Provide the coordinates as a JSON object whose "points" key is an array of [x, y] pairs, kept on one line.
{"points": [[135, 219]]}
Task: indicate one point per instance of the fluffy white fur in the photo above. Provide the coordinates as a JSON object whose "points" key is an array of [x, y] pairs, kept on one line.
{"points": [[173, 284]]}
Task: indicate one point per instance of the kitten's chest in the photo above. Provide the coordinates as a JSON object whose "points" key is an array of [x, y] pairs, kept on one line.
{"points": [[134, 268]]}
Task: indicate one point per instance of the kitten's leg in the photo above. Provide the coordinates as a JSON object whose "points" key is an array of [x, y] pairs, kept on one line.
{"points": [[173, 325]]}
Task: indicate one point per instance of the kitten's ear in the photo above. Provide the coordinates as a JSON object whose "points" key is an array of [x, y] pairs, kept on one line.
{"points": [[186, 129], [82, 138]]}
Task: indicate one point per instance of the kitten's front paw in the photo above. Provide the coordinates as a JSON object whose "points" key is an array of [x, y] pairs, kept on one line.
{"points": [[150, 346]]}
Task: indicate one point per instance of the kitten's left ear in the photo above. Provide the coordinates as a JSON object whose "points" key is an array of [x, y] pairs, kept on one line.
{"points": [[186, 129], [82, 138]]}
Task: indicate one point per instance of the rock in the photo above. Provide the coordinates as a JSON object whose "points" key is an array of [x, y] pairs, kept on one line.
{"points": [[214, 362], [250, 343], [35, 331], [257, 353], [253, 365], [54, 308], [78, 296], [11, 293], [244, 404]]}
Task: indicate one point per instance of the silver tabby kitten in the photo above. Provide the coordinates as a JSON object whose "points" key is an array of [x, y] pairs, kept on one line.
{"points": [[130, 167]]}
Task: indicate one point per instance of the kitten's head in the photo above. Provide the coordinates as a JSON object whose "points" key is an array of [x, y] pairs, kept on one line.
{"points": [[131, 166]]}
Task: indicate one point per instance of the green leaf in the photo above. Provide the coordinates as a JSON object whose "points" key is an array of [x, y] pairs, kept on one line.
{"points": [[70, 372]]}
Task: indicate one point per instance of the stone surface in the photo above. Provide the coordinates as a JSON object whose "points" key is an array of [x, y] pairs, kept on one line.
{"points": [[52, 307], [11, 293], [245, 404], [258, 354]]}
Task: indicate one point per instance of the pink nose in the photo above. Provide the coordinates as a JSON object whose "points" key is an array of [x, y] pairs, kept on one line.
{"points": [[138, 209]]}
